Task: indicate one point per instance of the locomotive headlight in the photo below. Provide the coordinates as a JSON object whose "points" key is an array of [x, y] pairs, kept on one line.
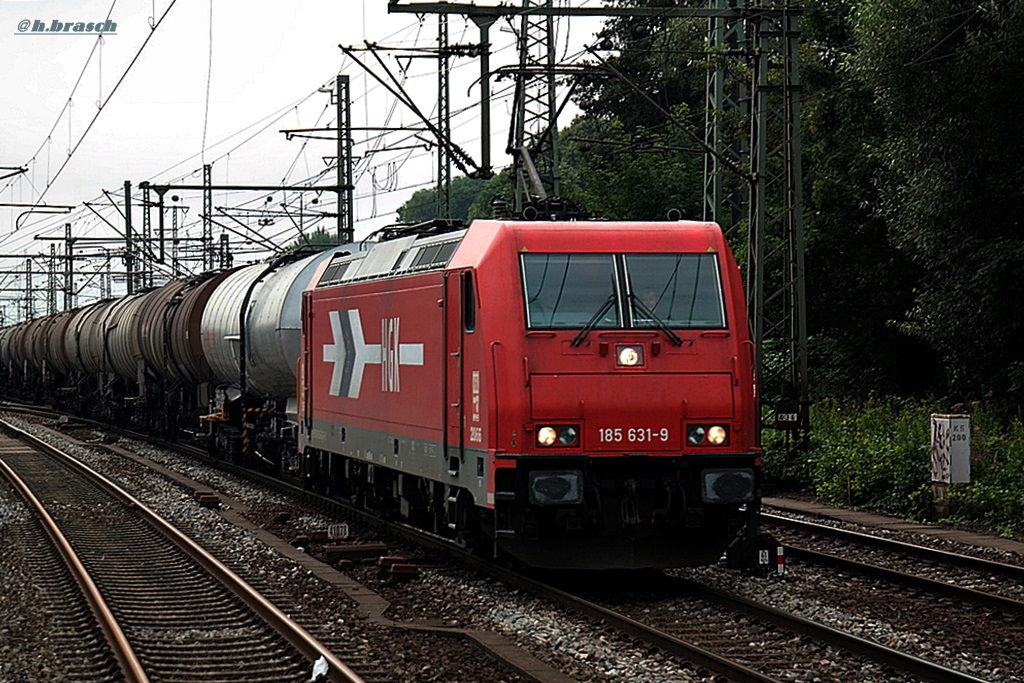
{"points": [[629, 356], [696, 435], [559, 436], [717, 435], [568, 436], [707, 435], [546, 436]]}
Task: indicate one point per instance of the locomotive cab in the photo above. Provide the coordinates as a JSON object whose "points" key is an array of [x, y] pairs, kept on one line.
{"points": [[624, 402]]}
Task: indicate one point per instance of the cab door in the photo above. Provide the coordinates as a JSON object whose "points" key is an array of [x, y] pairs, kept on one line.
{"points": [[460, 321], [454, 380]]}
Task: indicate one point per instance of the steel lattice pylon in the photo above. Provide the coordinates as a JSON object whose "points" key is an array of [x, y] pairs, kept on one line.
{"points": [[444, 124], [727, 108], [208, 252], [777, 254], [534, 122], [346, 195], [767, 206]]}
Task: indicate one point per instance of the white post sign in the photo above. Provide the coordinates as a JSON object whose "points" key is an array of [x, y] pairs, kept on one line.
{"points": [[951, 449]]}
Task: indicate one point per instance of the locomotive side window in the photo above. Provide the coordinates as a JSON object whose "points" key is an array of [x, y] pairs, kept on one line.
{"points": [[444, 254], [677, 290], [570, 291], [468, 303]]}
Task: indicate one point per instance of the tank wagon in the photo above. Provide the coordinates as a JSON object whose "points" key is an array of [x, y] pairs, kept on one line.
{"points": [[568, 394]]}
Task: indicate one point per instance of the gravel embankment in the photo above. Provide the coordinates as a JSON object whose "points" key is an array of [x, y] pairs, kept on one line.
{"points": [[461, 598]]}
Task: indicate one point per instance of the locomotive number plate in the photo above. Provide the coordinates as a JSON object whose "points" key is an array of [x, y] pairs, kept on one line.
{"points": [[634, 435]]}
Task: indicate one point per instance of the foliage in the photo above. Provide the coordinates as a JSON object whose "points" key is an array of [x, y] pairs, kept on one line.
{"points": [[940, 74], [633, 155], [634, 174], [995, 497], [619, 176], [662, 57], [498, 186], [319, 237], [423, 205], [859, 287], [877, 455]]}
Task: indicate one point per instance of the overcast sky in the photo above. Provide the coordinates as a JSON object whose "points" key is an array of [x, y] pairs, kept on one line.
{"points": [[263, 70]]}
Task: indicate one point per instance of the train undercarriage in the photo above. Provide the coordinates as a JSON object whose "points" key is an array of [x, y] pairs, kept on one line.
{"points": [[629, 512]]}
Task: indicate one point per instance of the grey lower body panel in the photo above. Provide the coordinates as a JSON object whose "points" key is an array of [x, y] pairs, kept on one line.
{"points": [[420, 457]]}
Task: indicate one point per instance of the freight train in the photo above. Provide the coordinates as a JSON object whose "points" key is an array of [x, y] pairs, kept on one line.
{"points": [[576, 394]]}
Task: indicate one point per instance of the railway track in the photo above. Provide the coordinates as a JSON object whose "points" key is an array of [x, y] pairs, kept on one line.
{"points": [[958, 601], [734, 636], [958, 576], [169, 610], [858, 541], [717, 631], [378, 648], [75, 637]]}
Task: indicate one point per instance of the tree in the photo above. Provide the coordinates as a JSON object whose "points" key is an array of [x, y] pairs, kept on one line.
{"points": [[636, 174], [422, 206], [625, 158], [315, 238], [664, 57], [859, 287], [945, 76], [500, 185]]}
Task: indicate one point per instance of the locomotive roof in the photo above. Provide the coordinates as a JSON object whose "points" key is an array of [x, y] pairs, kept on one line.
{"points": [[466, 248]]}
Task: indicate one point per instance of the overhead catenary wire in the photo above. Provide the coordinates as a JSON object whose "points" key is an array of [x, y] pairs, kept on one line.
{"points": [[70, 98], [99, 111], [268, 124], [209, 78], [153, 25], [385, 156]]}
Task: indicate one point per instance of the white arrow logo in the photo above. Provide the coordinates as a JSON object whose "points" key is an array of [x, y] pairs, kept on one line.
{"points": [[350, 354]]}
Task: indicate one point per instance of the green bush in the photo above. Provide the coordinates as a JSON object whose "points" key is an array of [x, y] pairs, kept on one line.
{"points": [[995, 497], [876, 455]]}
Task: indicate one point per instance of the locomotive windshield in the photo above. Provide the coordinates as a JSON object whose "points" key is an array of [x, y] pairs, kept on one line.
{"points": [[568, 290], [679, 290], [616, 291]]}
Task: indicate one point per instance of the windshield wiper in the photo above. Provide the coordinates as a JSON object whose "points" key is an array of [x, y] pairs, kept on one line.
{"points": [[592, 323], [661, 324]]}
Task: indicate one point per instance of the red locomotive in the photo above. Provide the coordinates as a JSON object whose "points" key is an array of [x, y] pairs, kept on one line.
{"points": [[570, 394], [578, 394]]}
